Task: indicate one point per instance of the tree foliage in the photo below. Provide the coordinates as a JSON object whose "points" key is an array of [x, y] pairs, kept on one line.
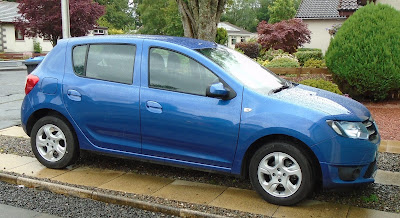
{"points": [[281, 10], [43, 18], [201, 17], [152, 23], [118, 14], [242, 13], [222, 36], [364, 55], [287, 35]]}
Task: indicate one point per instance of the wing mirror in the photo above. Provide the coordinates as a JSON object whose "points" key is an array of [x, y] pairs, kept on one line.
{"points": [[217, 90]]}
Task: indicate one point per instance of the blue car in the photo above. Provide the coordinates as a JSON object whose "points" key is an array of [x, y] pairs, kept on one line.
{"points": [[196, 104]]}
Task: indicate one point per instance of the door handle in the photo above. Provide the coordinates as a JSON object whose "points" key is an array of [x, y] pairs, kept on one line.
{"points": [[74, 95], [154, 107]]}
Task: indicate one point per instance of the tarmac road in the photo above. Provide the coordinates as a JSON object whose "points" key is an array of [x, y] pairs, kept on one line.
{"points": [[12, 83]]}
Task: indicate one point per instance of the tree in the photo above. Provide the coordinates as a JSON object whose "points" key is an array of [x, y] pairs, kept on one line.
{"points": [[118, 14], [242, 13], [201, 17], [152, 23], [281, 10], [287, 35], [262, 12], [222, 36], [43, 18], [364, 55]]}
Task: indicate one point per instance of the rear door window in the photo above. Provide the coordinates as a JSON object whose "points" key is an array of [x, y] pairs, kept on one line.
{"points": [[110, 62]]}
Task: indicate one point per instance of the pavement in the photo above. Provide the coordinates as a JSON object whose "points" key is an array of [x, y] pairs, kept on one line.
{"points": [[10, 211], [96, 179]]}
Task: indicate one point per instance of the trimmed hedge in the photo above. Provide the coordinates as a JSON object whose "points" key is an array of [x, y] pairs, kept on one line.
{"points": [[283, 61], [322, 84], [312, 63], [364, 55], [251, 49], [304, 56]]}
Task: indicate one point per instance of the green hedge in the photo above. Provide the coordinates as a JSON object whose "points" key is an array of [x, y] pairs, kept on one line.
{"points": [[304, 56], [322, 84], [283, 61], [364, 55]]}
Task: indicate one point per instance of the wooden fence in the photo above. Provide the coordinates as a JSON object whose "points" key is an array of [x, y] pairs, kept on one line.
{"points": [[17, 56], [300, 71]]}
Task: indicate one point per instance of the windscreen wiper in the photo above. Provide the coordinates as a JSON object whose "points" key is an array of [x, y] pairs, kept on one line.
{"points": [[280, 88]]}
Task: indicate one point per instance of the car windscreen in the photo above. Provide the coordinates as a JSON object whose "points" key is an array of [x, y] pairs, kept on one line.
{"points": [[244, 69]]}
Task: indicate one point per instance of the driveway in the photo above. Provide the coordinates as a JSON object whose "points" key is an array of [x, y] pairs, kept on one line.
{"points": [[12, 85]]}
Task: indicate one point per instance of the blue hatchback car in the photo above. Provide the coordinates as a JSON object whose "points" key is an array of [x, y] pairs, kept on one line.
{"points": [[197, 104]]}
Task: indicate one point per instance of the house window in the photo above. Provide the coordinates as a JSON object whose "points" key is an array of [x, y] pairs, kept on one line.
{"points": [[242, 39], [98, 32], [233, 40], [18, 35]]}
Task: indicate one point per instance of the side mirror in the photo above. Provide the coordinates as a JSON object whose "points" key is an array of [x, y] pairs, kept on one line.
{"points": [[217, 90]]}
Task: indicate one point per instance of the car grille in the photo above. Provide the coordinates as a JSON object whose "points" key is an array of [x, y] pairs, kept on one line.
{"points": [[372, 130]]}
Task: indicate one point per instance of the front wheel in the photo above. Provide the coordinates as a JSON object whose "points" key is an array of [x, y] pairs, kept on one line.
{"points": [[54, 143], [281, 173]]}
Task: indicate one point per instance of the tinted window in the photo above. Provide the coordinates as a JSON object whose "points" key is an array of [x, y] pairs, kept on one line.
{"points": [[79, 59], [173, 71], [106, 62]]}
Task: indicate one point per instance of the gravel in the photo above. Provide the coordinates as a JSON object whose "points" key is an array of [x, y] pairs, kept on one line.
{"points": [[65, 206], [373, 196], [387, 117]]}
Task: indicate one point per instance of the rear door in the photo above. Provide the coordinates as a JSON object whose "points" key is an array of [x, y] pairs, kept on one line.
{"points": [[101, 93]]}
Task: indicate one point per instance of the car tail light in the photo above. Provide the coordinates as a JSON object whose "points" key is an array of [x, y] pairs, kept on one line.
{"points": [[31, 81]]}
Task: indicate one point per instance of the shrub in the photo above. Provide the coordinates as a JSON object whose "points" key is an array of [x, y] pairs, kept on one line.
{"points": [[283, 61], [312, 63], [37, 48], [221, 36], [287, 35], [309, 49], [322, 84], [271, 54], [304, 56], [251, 49], [364, 55]]}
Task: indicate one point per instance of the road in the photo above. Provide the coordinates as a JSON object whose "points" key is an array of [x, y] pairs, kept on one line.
{"points": [[12, 85]]}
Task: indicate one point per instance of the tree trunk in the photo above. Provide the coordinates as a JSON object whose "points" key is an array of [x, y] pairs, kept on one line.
{"points": [[201, 17]]}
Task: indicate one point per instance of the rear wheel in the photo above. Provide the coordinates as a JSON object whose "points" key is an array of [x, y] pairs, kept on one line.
{"points": [[54, 143], [281, 173]]}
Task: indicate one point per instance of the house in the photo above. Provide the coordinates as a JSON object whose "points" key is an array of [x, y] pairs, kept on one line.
{"points": [[321, 15], [236, 34], [12, 41]]}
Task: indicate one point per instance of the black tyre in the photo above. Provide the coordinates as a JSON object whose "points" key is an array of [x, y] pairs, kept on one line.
{"points": [[54, 142], [281, 173]]}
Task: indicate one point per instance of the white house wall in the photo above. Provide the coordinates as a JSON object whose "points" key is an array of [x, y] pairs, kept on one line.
{"points": [[320, 37], [26, 45], [394, 3]]}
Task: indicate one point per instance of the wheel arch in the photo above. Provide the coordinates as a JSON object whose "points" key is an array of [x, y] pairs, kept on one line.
{"points": [[285, 138], [37, 115]]}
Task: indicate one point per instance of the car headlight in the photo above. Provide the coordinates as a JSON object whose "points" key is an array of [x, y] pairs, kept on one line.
{"points": [[355, 130]]}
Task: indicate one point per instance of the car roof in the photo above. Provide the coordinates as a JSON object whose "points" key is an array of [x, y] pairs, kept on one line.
{"points": [[182, 41]]}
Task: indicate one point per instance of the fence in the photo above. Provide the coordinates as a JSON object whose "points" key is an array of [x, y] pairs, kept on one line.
{"points": [[17, 56]]}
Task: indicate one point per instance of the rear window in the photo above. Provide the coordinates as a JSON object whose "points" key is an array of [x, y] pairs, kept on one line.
{"points": [[108, 62]]}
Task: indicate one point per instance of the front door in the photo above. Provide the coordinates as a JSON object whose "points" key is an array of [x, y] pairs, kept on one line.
{"points": [[178, 120]]}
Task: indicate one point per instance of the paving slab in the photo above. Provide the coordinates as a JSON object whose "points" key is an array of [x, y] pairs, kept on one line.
{"points": [[87, 176], [10, 161], [14, 131], [138, 184], [356, 212], [387, 177], [310, 208], [36, 169], [244, 200], [390, 146], [193, 192]]}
